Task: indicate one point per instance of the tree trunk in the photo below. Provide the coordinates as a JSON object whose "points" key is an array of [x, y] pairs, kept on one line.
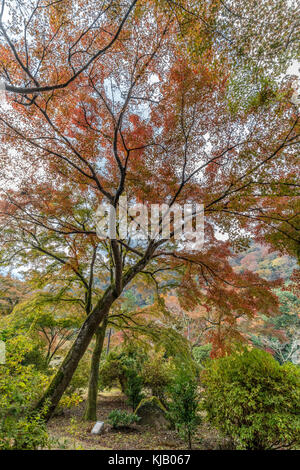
{"points": [[189, 439], [108, 341], [65, 373], [90, 413]]}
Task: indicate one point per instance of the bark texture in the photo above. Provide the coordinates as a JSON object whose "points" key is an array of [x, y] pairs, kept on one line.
{"points": [[91, 404]]}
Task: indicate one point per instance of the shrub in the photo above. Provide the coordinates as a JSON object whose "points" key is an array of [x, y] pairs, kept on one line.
{"points": [[156, 375], [184, 404], [33, 355], [118, 365], [120, 418], [133, 389], [27, 433], [20, 386], [123, 366], [254, 400], [68, 401], [202, 353], [111, 371]]}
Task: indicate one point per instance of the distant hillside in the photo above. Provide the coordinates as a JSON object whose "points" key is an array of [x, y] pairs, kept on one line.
{"points": [[270, 266]]}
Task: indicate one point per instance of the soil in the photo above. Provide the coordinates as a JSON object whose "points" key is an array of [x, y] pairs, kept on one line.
{"points": [[68, 431]]}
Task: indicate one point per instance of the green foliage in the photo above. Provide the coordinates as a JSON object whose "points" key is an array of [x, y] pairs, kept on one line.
{"points": [[184, 404], [254, 400], [132, 359], [280, 332], [157, 374], [34, 355], [133, 389], [133, 369], [43, 316], [69, 400], [250, 89], [119, 364], [28, 433], [202, 353], [111, 371], [120, 418], [20, 386], [124, 366]]}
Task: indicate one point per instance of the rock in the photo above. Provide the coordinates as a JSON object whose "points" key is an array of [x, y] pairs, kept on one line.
{"points": [[98, 428], [152, 413]]}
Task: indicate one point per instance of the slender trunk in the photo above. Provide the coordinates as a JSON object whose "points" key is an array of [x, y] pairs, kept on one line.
{"points": [[90, 413], [189, 439], [108, 341], [65, 373]]}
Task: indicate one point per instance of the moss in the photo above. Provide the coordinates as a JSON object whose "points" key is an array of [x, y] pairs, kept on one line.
{"points": [[150, 403]]}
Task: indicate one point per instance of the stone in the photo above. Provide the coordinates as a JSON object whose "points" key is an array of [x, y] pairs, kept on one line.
{"points": [[98, 428], [152, 413]]}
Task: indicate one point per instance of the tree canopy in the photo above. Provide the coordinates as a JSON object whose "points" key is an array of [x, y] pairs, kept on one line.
{"points": [[167, 103]]}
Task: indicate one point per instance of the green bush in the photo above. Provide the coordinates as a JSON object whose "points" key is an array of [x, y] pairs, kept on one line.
{"points": [[133, 389], [184, 404], [254, 400], [33, 355], [36, 357], [20, 387], [157, 375], [120, 418], [23, 433], [119, 364], [201, 353], [124, 366], [111, 372]]}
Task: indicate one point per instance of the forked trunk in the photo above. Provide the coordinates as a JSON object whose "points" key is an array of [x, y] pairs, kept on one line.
{"points": [[65, 373]]}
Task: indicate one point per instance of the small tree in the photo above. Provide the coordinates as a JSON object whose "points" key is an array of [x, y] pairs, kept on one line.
{"points": [[253, 399], [134, 388], [184, 404]]}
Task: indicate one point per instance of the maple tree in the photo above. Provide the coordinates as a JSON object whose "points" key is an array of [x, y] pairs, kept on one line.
{"points": [[158, 118], [216, 314], [44, 318], [64, 288], [12, 291], [48, 39]]}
